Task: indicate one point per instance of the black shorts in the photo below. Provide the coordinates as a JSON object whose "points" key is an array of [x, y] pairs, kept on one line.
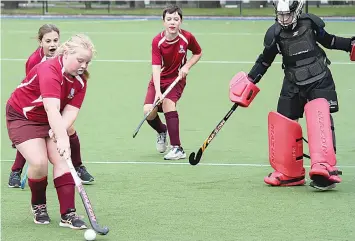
{"points": [[294, 97]]}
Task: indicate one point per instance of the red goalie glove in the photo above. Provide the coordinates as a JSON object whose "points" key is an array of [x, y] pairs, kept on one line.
{"points": [[352, 54], [241, 90]]}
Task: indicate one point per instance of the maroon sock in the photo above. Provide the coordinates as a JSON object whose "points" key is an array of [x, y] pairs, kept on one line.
{"points": [[172, 121], [38, 189], [66, 192], [19, 162], [75, 150], [157, 125]]}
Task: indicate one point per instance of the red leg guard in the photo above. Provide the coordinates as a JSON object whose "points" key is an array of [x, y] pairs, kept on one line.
{"points": [[285, 151], [320, 140]]}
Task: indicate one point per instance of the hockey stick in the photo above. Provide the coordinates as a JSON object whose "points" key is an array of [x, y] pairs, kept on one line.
{"points": [[24, 178], [156, 104], [84, 197], [195, 160]]}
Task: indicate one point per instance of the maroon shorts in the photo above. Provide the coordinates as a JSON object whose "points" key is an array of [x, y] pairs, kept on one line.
{"points": [[21, 129], [174, 95]]}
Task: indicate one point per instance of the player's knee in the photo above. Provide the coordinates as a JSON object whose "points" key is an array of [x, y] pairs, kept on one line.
{"points": [[146, 109], [60, 167], [168, 105], [71, 130], [38, 165]]}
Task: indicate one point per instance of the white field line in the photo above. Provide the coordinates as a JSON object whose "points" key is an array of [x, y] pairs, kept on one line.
{"points": [[148, 61], [87, 21], [185, 163], [113, 32]]}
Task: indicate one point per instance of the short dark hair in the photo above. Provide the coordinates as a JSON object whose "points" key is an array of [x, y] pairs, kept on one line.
{"points": [[172, 9]]}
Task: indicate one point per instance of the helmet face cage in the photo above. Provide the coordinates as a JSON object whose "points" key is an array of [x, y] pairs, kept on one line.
{"points": [[288, 11]]}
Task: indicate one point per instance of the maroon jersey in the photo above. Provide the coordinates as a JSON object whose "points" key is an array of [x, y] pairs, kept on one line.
{"points": [[47, 80], [35, 58], [171, 54]]}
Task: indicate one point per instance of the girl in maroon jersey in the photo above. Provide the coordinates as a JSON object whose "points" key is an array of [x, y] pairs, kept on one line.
{"points": [[48, 38], [49, 99], [169, 50]]}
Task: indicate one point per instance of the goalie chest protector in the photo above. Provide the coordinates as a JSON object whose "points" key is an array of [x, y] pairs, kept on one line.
{"points": [[304, 62]]}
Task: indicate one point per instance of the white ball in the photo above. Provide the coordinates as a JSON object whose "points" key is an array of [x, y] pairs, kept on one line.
{"points": [[89, 235]]}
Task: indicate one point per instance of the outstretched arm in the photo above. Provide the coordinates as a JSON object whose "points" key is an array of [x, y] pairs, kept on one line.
{"points": [[263, 62], [331, 41]]}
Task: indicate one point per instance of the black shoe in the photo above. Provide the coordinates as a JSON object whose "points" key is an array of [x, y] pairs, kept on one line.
{"points": [[72, 220], [40, 214], [15, 179], [321, 183], [84, 175]]}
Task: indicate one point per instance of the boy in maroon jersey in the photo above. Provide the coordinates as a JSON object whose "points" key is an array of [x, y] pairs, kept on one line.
{"points": [[48, 38], [49, 99], [169, 50]]}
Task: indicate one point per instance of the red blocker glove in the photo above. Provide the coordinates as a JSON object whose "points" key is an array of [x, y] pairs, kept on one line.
{"points": [[352, 54], [241, 90]]}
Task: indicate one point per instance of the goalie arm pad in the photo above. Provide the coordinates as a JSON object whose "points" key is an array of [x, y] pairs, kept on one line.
{"points": [[262, 64], [242, 90], [331, 41]]}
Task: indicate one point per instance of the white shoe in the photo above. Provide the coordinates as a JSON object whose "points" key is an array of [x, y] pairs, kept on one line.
{"points": [[175, 153], [162, 143]]}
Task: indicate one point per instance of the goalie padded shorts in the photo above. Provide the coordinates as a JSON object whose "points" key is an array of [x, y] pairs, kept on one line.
{"points": [[294, 97]]}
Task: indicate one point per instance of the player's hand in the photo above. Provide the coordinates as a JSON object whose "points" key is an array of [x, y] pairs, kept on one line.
{"points": [[52, 136], [158, 96], [63, 147], [184, 71]]}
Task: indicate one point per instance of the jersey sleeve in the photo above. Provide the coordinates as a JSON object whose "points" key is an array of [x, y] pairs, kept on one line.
{"points": [[29, 65], [79, 97], [50, 81], [156, 56], [194, 46]]}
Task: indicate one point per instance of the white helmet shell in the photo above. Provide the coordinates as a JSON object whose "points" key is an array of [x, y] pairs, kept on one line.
{"points": [[288, 11]]}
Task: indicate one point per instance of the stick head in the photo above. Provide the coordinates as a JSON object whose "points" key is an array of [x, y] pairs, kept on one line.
{"points": [[102, 231], [195, 160]]}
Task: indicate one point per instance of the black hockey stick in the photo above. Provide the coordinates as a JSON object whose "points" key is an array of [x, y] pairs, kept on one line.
{"points": [[195, 160]]}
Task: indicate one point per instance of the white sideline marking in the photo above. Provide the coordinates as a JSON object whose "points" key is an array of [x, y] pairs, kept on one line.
{"points": [[202, 61], [82, 22], [150, 33], [183, 163]]}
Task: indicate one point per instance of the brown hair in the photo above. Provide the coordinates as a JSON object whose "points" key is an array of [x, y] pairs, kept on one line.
{"points": [[47, 28], [76, 41], [172, 9]]}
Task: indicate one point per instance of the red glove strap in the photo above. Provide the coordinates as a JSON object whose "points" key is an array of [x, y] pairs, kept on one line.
{"points": [[241, 90]]}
